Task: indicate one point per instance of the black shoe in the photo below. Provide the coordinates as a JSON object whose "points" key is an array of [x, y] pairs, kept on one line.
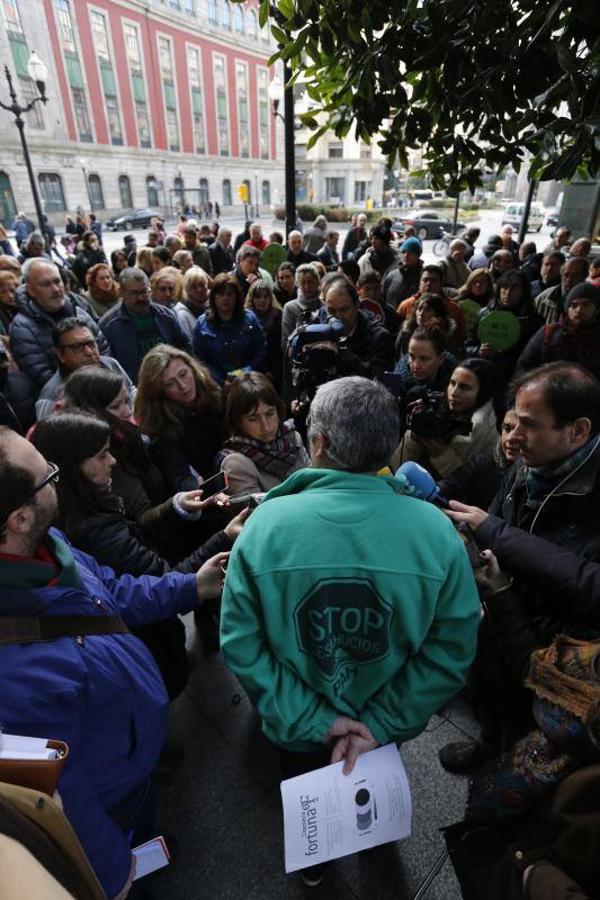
{"points": [[313, 876], [464, 758]]}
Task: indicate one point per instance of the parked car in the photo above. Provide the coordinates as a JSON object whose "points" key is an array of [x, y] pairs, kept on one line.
{"points": [[513, 213], [552, 217], [132, 218], [428, 225]]}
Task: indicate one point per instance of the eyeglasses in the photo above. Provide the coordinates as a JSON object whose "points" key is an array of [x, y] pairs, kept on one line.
{"points": [[77, 346], [51, 478], [143, 293]]}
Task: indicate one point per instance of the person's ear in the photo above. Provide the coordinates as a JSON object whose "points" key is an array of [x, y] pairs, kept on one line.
{"points": [[580, 431], [20, 521], [318, 446]]}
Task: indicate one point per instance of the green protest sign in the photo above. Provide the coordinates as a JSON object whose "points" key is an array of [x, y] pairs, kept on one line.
{"points": [[500, 329], [272, 257], [471, 310]]}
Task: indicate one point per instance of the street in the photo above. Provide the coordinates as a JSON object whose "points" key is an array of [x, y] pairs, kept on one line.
{"points": [[489, 220]]}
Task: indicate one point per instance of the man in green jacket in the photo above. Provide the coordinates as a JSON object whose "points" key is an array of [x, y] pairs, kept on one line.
{"points": [[350, 611]]}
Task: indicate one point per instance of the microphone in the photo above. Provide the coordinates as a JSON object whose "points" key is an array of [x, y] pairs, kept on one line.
{"points": [[422, 482], [425, 488]]}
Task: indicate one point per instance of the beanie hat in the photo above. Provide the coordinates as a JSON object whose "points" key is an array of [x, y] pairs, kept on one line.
{"points": [[585, 291], [411, 245]]}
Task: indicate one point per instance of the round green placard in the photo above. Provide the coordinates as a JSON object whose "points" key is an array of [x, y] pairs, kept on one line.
{"points": [[500, 329], [471, 310], [272, 257]]}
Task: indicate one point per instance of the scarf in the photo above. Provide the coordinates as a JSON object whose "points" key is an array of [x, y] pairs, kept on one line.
{"points": [[541, 480], [276, 458]]}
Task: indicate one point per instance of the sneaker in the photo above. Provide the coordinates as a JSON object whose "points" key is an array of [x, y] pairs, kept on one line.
{"points": [[465, 758], [313, 876]]}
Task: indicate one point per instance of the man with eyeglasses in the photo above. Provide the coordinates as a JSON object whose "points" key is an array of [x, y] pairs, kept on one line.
{"points": [[43, 305], [137, 324], [71, 670], [75, 347]]}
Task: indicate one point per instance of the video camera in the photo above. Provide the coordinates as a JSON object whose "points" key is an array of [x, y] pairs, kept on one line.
{"points": [[429, 417], [312, 363]]}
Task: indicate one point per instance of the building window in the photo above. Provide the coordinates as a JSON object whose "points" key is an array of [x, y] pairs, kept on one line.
{"points": [[10, 14], [249, 189], [166, 64], [190, 7], [226, 15], [179, 191], [203, 194], [166, 68], [266, 193], [143, 123], [96, 192], [8, 208], [125, 192], [335, 188], [151, 190], [132, 48], [227, 201], [114, 120], [35, 117], [252, 24], [100, 35], [81, 114], [211, 12], [238, 19], [241, 78], [65, 25], [263, 112], [221, 98], [195, 80], [362, 190], [366, 151], [335, 150], [51, 189]]}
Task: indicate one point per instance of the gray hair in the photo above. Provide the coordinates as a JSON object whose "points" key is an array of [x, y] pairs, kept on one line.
{"points": [[246, 251], [359, 421], [35, 261], [133, 274], [36, 237], [223, 231], [458, 243]]}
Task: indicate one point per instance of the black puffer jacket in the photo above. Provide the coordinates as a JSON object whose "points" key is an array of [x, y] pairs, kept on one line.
{"points": [[31, 336]]}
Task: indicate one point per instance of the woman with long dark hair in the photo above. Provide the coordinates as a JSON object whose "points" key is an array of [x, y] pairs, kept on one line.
{"points": [[227, 337], [443, 434], [262, 449], [512, 295], [92, 516], [178, 407]]}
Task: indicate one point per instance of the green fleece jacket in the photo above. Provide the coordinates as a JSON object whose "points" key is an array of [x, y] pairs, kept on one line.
{"points": [[346, 595]]}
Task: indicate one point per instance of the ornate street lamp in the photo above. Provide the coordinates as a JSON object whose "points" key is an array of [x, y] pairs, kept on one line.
{"points": [[38, 72]]}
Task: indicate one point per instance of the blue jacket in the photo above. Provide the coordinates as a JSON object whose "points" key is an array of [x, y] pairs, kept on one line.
{"points": [[119, 327], [104, 697], [242, 345]]}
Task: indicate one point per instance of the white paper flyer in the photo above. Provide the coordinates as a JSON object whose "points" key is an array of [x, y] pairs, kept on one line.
{"points": [[327, 814]]}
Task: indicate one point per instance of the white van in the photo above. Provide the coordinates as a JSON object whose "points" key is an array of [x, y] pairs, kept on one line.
{"points": [[513, 214]]}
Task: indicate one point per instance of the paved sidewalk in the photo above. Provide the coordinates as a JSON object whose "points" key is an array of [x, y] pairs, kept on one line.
{"points": [[223, 807]]}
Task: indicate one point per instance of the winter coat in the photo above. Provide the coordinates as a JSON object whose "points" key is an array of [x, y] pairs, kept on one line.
{"points": [[241, 344], [102, 695], [560, 341], [401, 282], [222, 258], [382, 263], [181, 459], [245, 477], [314, 238], [476, 482], [329, 257], [368, 351], [334, 604], [119, 328], [31, 336]]}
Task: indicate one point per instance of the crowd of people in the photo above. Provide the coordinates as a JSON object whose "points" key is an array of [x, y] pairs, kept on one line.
{"points": [[130, 386]]}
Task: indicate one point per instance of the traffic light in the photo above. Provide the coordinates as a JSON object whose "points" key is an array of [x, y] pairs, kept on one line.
{"points": [[242, 191]]}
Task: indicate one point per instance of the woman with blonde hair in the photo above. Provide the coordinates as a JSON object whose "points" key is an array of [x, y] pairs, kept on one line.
{"points": [[179, 407], [196, 285], [143, 260], [102, 289], [166, 286], [268, 310]]}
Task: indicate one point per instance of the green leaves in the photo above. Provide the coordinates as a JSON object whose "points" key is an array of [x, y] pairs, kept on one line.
{"points": [[474, 83]]}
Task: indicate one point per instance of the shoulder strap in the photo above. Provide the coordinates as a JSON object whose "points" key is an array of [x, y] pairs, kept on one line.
{"points": [[33, 629]]}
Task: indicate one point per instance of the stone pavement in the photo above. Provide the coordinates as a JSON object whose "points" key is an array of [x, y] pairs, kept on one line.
{"points": [[223, 807]]}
